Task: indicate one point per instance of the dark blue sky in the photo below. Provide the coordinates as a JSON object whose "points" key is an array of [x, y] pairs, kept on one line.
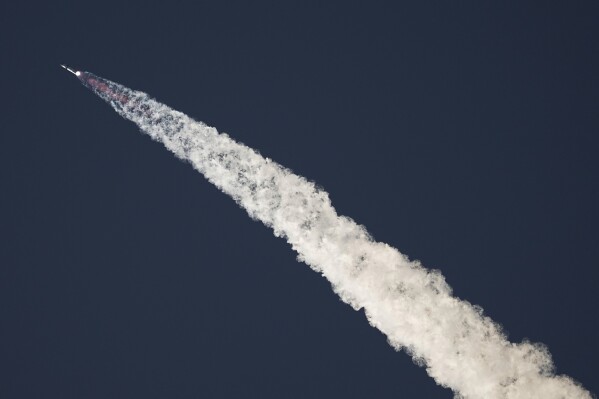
{"points": [[465, 135]]}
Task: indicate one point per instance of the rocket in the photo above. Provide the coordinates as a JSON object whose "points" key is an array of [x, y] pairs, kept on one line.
{"points": [[76, 73]]}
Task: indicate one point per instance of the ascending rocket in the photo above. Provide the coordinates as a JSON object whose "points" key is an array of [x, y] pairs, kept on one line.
{"points": [[76, 73]]}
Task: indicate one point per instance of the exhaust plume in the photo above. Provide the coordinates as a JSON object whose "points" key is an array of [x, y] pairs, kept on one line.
{"points": [[460, 347]]}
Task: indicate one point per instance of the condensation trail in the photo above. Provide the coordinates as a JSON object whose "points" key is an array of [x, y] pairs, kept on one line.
{"points": [[460, 347]]}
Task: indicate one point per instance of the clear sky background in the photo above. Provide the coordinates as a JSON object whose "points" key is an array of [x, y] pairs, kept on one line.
{"points": [[465, 135]]}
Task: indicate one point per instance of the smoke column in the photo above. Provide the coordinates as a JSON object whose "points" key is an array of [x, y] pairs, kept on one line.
{"points": [[460, 347]]}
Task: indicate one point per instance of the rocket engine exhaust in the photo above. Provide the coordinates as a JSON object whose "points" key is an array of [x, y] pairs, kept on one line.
{"points": [[461, 348]]}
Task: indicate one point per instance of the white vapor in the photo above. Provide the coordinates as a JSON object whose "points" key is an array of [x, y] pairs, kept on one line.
{"points": [[460, 347]]}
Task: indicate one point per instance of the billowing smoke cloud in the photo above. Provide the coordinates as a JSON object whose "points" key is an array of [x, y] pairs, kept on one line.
{"points": [[460, 347]]}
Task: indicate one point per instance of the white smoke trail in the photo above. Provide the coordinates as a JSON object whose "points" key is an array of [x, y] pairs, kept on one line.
{"points": [[460, 347]]}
